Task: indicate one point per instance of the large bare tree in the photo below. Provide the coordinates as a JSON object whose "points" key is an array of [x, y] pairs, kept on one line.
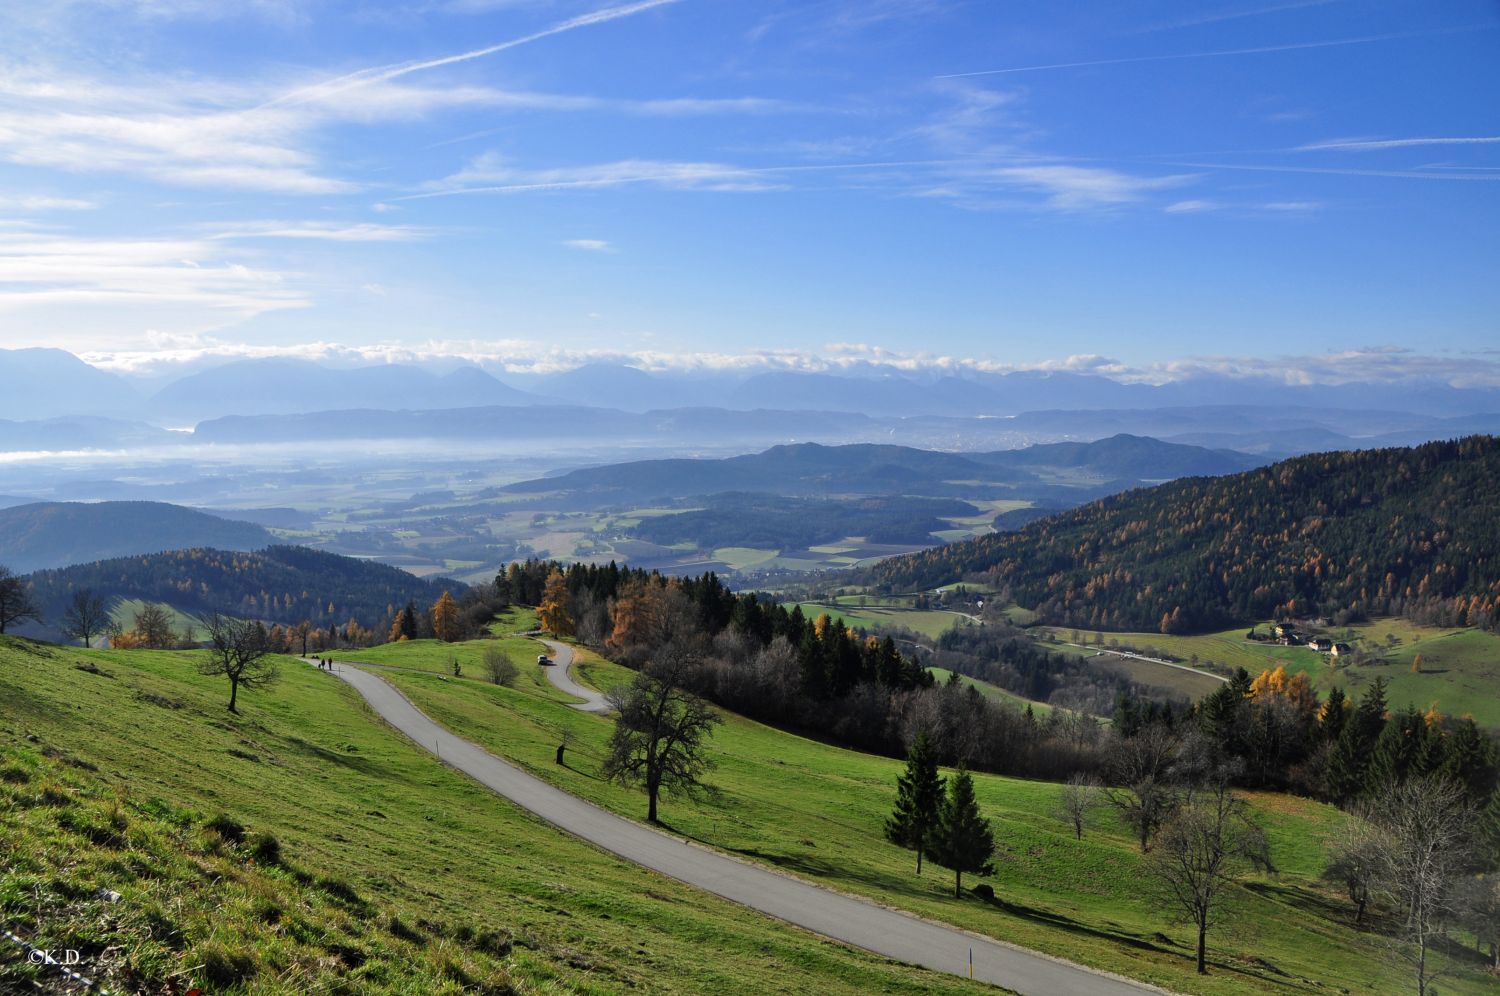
{"points": [[86, 617], [1427, 824], [239, 649], [660, 732], [1209, 841]]}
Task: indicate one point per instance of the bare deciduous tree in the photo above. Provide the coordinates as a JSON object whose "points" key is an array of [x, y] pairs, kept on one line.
{"points": [[1079, 797], [86, 617], [153, 628], [1143, 787], [659, 735], [239, 649], [1356, 856], [1426, 823], [15, 600], [1209, 841]]}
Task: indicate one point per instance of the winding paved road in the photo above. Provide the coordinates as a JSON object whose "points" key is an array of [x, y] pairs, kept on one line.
{"points": [[857, 922], [561, 676]]}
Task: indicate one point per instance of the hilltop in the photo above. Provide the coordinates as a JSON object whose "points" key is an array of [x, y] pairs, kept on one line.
{"points": [[45, 535], [1407, 531], [284, 584]]}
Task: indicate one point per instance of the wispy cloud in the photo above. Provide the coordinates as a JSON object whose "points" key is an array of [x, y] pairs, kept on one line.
{"points": [[1219, 17], [1079, 188], [1395, 174], [1376, 144], [320, 231], [39, 203], [491, 174], [1217, 53], [381, 74], [589, 245], [48, 268]]}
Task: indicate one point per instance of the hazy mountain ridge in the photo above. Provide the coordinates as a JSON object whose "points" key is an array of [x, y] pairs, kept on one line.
{"points": [[1392, 531], [45, 535], [808, 469]]}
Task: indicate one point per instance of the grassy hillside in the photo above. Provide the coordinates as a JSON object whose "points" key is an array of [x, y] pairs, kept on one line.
{"points": [[394, 875], [817, 811]]}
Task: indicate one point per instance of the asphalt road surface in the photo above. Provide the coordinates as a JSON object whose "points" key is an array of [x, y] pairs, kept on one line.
{"points": [[561, 676], [843, 918]]}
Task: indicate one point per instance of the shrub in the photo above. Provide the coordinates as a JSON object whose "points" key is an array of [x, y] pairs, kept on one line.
{"points": [[266, 849], [226, 827]]}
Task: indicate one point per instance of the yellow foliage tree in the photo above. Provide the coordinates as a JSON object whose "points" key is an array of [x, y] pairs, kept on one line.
{"points": [[553, 613], [445, 618]]}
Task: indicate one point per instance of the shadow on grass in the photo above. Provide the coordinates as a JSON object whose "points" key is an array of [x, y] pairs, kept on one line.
{"points": [[354, 762]]}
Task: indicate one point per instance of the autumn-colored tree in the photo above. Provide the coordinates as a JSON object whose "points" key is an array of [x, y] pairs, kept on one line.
{"points": [[553, 613], [1416, 664], [445, 618], [647, 615]]}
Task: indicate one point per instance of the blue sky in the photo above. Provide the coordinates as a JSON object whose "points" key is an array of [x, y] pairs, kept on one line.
{"points": [[1147, 189]]}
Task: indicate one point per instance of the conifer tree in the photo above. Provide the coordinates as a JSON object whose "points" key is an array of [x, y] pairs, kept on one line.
{"points": [[1469, 759], [919, 794], [445, 618], [553, 613], [1350, 759], [962, 839]]}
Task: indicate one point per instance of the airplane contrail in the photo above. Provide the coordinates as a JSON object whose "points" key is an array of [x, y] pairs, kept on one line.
{"points": [[380, 74], [1333, 43]]}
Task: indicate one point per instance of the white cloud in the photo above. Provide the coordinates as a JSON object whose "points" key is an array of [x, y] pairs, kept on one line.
{"points": [[1081, 188], [1388, 365], [589, 245]]}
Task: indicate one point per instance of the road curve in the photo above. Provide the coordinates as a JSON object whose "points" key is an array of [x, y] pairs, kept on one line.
{"points": [[561, 676], [853, 921]]}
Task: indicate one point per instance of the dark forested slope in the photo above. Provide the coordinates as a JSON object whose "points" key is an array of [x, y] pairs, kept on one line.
{"points": [[283, 584], [1400, 531]]}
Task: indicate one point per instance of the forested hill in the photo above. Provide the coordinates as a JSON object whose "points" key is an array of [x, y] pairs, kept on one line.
{"points": [[1398, 531], [284, 584], [58, 533]]}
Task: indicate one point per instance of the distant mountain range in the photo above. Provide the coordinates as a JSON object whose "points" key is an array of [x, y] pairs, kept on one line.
{"points": [[810, 469], [282, 386], [46, 383], [1389, 531], [56, 534]]}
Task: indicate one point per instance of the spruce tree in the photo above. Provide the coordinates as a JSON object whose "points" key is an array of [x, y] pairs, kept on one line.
{"points": [[962, 839], [1469, 759], [919, 794]]}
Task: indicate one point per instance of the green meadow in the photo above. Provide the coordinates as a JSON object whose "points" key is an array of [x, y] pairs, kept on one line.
{"points": [[816, 810], [1459, 671], [303, 847]]}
